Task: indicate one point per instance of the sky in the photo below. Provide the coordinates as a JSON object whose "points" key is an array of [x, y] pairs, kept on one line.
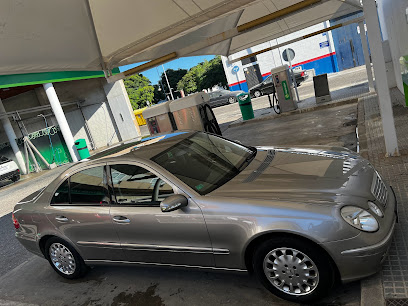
{"points": [[184, 63]]}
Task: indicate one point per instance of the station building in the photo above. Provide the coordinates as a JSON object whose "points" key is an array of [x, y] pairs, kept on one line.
{"points": [[329, 52], [95, 110]]}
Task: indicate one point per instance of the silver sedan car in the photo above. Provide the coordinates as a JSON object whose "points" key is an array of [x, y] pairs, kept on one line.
{"points": [[298, 218], [222, 97]]}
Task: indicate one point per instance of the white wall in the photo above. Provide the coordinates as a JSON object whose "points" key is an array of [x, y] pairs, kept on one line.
{"points": [[393, 13], [102, 110], [305, 50]]}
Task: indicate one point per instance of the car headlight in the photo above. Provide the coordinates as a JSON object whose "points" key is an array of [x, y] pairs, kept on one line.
{"points": [[359, 218], [375, 209]]}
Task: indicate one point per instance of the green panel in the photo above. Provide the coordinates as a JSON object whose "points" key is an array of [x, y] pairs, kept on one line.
{"points": [[15, 80], [404, 75], [57, 153], [285, 90], [406, 93]]}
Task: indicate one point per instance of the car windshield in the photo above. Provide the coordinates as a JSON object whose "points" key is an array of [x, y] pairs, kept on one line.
{"points": [[205, 162]]}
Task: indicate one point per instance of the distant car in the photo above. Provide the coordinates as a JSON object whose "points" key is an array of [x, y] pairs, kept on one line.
{"points": [[266, 86], [222, 97], [8, 170], [299, 218]]}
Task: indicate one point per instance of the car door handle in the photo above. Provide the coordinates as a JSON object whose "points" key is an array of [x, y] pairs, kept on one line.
{"points": [[121, 219], [61, 219]]}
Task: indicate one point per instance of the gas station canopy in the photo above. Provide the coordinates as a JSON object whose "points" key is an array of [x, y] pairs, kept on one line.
{"points": [[60, 35]]}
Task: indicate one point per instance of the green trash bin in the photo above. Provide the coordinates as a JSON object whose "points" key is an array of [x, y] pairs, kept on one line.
{"points": [[83, 151], [244, 101]]}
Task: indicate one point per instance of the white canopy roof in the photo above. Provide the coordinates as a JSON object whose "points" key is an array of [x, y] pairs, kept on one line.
{"points": [[61, 35]]}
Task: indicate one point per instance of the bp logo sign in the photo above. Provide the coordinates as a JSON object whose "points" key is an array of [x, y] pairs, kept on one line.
{"points": [[243, 97]]}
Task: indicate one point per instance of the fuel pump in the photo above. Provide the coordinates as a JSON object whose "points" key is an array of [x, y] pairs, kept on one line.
{"points": [[284, 88]]}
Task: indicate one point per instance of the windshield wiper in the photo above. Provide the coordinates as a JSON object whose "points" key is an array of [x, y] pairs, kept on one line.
{"points": [[248, 160]]}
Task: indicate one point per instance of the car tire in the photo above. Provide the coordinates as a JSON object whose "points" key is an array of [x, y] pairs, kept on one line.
{"points": [[15, 178], [64, 259], [293, 256], [232, 100], [257, 93]]}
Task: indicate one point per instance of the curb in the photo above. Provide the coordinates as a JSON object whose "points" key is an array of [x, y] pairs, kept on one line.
{"points": [[372, 292], [300, 111]]}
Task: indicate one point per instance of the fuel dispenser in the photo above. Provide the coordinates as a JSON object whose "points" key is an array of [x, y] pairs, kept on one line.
{"points": [[284, 88], [159, 118], [194, 113]]}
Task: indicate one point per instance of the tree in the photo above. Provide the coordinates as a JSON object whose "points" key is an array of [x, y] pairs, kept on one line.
{"points": [[139, 90], [158, 93], [174, 77], [214, 74], [190, 83], [202, 76]]}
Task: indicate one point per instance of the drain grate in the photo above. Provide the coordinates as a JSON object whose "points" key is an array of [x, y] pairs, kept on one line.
{"points": [[396, 302]]}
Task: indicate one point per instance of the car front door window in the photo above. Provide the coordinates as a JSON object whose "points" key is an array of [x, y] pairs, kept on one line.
{"points": [[136, 186]]}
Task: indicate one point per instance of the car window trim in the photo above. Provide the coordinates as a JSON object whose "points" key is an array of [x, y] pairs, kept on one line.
{"points": [[114, 203], [68, 176]]}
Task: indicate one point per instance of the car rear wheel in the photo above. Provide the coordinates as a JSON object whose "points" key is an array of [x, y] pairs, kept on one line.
{"points": [[15, 178], [64, 259], [231, 100], [257, 93], [293, 269]]}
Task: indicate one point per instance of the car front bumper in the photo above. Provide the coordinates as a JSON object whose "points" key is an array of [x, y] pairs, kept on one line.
{"points": [[363, 255]]}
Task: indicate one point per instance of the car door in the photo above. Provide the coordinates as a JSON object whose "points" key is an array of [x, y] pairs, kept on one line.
{"points": [[79, 210], [149, 235], [267, 85], [217, 98]]}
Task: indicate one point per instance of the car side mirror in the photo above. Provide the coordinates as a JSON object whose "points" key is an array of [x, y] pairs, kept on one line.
{"points": [[173, 203]]}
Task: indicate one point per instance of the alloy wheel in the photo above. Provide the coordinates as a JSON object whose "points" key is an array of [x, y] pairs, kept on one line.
{"points": [[257, 94], [62, 258], [291, 271]]}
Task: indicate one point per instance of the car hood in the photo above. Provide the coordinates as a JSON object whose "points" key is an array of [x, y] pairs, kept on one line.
{"points": [[255, 87], [313, 174]]}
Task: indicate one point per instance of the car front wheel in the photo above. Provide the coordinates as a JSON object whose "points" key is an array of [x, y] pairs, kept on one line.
{"points": [[64, 259], [231, 100], [257, 93], [293, 269]]}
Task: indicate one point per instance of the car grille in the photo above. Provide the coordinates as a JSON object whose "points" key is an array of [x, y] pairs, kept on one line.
{"points": [[379, 190], [265, 164], [347, 166]]}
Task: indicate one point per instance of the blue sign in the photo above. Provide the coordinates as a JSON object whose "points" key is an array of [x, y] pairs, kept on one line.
{"points": [[235, 69], [324, 44]]}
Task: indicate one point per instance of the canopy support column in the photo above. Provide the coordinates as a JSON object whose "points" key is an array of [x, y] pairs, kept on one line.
{"points": [[383, 91], [366, 56], [11, 135], [62, 121]]}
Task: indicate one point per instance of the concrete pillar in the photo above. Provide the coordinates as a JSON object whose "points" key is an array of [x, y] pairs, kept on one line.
{"points": [[384, 97], [11, 135], [62, 121], [123, 117], [366, 56]]}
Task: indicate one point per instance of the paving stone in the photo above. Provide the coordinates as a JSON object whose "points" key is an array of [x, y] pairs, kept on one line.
{"points": [[394, 171]]}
